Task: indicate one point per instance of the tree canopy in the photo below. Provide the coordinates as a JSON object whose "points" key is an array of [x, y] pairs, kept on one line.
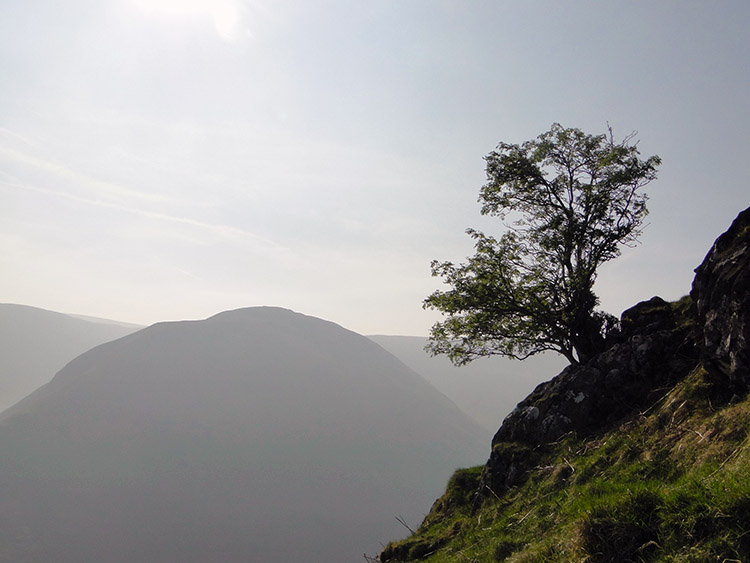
{"points": [[569, 202]]}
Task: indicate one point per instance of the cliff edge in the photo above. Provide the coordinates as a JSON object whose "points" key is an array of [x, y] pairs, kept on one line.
{"points": [[639, 455]]}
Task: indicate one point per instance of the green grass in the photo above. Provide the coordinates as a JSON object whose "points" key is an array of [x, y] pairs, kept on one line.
{"points": [[672, 484]]}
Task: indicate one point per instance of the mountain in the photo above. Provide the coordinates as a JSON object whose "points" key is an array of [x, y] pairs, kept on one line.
{"points": [[257, 435], [640, 455], [36, 343], [487, 389]]}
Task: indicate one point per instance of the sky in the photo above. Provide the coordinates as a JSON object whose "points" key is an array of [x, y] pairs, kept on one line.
{"points": [[166, 160]]}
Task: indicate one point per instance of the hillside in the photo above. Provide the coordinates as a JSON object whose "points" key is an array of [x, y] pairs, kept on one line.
{"points": [[255, 435], [640, 455], [487, 389], [36, 343]]}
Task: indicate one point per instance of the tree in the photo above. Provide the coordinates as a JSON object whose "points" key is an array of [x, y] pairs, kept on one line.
{"points": [[568, 201]]}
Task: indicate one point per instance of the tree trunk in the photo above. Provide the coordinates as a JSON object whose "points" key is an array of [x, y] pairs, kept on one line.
{"points": [[586, 337]]}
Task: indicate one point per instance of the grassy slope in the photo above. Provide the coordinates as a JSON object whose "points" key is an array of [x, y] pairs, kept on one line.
{"points": [[670, 484]]}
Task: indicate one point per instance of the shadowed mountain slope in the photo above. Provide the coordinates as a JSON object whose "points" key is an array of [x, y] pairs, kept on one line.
{"points": [[36, 343], [255, 435], [487, 389]]}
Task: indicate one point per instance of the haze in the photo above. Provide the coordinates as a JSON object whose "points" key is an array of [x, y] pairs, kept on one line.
{"points": [[168, 160]]}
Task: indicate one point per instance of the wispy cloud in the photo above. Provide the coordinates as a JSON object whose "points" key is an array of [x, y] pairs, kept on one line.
{"points": [[100, 187], [254, 243]]}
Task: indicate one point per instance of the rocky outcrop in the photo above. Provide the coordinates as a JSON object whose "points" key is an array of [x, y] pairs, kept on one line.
{"points": [[696, 348], [584, 397], [721, 291], [655, 348], [659, 343]]}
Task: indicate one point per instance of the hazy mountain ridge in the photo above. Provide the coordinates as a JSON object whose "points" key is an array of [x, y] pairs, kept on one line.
{"points": [[486, 389], [640, 455], [254, 435], [36, 343]]}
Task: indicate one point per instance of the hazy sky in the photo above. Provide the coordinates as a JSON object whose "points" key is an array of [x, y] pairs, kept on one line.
{"points": [[170, 159]]}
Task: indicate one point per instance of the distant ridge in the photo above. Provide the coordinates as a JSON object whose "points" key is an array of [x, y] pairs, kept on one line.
{"points": [[35, 343], [101, 320]]}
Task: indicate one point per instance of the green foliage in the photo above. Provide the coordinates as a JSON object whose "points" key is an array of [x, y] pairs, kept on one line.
{"points": [[463, 485], [569, 201], [670, 485], [505, 548], [625, 531], [443, 523]]}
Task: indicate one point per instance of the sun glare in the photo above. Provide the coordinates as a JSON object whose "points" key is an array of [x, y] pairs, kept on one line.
{"points": [[225, 14]]}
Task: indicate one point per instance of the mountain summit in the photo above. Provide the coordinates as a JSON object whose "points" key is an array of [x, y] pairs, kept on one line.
{"points": [[255, 435]]}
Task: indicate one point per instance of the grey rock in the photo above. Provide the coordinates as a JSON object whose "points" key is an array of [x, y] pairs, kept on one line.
{"points": [[720, 292], [657, 345]]}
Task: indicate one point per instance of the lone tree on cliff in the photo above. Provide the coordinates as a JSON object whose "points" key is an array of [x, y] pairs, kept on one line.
{"points": [[569, 202]]}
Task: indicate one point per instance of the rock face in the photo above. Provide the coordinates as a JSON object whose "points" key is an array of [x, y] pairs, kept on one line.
{"points": [[721, 292], [659, 343], [656, 346]]}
